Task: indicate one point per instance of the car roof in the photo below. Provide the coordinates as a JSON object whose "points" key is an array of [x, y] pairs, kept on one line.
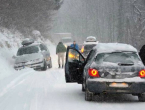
{"points": [[33, 44], [91, 37], [114, 47]]}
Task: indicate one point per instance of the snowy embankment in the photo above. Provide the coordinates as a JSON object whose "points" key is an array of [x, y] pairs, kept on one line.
{"points": [[9, 44]]}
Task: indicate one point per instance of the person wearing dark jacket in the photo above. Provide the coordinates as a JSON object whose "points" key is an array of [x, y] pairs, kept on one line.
{"points": [[60, 51], [142, 54]]}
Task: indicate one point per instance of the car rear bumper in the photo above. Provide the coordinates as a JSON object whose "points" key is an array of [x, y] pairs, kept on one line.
{"points": [[34, 65], [135, 85]]}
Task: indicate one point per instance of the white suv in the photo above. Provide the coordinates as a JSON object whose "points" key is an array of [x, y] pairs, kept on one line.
{"points": [[34, 55], [91, 39], [88, 45]]}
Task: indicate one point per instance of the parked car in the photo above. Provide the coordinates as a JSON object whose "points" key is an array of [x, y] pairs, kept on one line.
{"points": [[34, 55], [91, 39], [87, 47], [80, 47], [109, 68]]}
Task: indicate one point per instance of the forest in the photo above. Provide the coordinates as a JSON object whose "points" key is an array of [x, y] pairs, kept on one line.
{"points": [[108, 20], [28, 15]]}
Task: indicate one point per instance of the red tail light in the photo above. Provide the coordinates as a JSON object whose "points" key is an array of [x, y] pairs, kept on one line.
{"points": [[142, 73], [82, 50], [93, 73]]}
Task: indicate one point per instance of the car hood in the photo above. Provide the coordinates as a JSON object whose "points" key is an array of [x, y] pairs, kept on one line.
{"points": [[28, 57]]}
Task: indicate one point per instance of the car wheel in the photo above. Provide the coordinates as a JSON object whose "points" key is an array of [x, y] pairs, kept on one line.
{"points": [[45, 66], [83, 89], [88, 96], [83, 86], [50, 65], [141, 97], [67, 79]]}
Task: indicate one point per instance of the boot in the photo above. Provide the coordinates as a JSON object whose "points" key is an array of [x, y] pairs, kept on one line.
{"points": [[59, 66]]}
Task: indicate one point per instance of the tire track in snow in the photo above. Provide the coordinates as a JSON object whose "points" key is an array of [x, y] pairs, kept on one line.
{"points": [[14, 83]]}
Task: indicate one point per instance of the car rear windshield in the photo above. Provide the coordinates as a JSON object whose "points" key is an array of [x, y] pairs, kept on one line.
{"points": [[89, 47], [118, 57], [28, 50]]}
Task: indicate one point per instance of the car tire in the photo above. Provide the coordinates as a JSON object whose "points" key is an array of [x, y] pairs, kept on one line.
{"points": [[88, 96], [141, 97], [83, 89], [67, 79], [45, 66], [50, 65]]}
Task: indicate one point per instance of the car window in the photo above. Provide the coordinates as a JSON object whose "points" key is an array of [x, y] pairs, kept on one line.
{"points": [[73, 55], [91, 54], [28, 50], [43, 47], [117, 57]]}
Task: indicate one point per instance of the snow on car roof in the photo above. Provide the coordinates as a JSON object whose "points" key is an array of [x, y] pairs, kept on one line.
{"points": [[33, 44], [91, 37], [114, 47]]}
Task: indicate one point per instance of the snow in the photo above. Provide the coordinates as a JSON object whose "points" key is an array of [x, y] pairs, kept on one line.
{"points": [[6, 54], [113, 47], [47, 90], [63, 33]]}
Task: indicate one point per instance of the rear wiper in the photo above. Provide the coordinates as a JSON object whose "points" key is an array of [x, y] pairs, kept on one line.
{"points": [[125, 64]]}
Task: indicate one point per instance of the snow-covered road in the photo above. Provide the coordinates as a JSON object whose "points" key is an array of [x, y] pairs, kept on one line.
{"points": [[47, 90]]}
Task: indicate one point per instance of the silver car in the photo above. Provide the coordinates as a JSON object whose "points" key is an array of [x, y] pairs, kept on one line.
{"points": [[33, 55]]}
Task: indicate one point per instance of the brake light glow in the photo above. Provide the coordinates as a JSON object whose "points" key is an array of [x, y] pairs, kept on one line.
{"points": [[142, 73], [82, 50], [93, 73]]}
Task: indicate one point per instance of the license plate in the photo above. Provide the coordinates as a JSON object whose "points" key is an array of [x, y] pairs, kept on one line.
{"points": [[118, 85]]}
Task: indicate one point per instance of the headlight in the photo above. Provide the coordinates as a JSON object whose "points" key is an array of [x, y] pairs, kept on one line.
{"points": [[49, 58], [65, 46]]}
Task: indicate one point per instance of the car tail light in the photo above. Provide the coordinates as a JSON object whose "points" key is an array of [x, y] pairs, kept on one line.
{"points": [[142, 73], [93, 73], [82, 50]]}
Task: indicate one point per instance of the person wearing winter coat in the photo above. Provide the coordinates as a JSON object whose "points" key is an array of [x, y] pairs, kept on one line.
{"points": [[60, 51], [74, 45], [142, 54]]}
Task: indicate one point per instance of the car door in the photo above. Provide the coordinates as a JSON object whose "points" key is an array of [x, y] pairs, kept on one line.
{"points": [[45, 52], [74, 66]]}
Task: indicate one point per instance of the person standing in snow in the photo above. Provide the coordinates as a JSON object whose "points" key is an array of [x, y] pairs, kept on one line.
{"points": [[60, 51], [74, 45]]}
